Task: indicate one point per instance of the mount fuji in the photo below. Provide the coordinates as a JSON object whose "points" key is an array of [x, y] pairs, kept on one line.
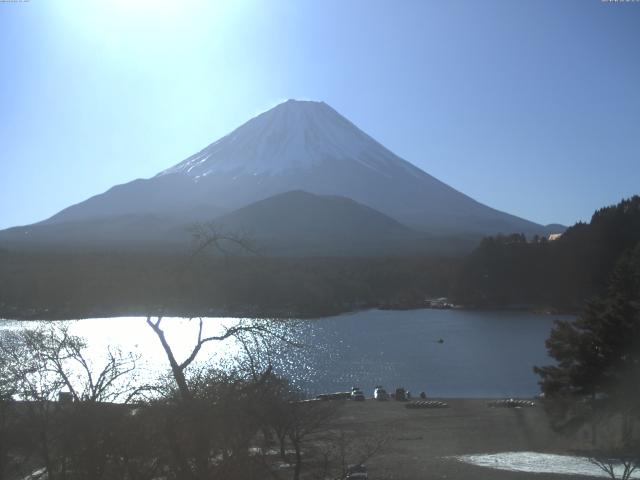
{"points": [[296, 146]]}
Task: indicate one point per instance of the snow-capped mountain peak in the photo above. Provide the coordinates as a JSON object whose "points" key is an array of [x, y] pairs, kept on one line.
{"points": [[294, 135], [300, 146]]}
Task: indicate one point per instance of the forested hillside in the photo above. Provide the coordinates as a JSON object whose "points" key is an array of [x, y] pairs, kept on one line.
{"points": [[512, 271], [68, 284]]}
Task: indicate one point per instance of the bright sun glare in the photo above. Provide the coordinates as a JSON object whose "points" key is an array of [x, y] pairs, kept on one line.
{"points": [[124, 27], [149, 7]]}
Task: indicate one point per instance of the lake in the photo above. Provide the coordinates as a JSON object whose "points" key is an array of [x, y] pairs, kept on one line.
{"points": [[446, 353]]}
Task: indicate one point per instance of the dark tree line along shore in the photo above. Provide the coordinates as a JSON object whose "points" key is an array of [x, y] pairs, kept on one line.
{"points": [[503, 271], [52, 285]]}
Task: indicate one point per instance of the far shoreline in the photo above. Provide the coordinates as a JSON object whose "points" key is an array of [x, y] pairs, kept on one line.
{"points": [[28, 315]]}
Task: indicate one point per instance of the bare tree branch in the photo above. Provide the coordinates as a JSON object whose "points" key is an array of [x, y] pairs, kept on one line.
{"points": [[210, 235]]}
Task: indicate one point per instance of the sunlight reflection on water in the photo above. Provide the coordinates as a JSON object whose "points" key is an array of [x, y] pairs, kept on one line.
{"points": [[483, 353]]}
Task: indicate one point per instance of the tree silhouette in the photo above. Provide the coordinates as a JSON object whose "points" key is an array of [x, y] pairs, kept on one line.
{"points": [[597, 376]]}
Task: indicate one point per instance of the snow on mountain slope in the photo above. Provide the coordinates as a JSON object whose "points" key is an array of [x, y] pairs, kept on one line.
{"points": [[295, 135]]}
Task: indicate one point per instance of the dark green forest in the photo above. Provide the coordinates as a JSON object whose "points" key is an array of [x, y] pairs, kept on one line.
{"points": [[52, 285], [564, 273]]}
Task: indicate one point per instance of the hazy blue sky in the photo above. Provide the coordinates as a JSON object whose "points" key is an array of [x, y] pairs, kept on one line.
{"points": [[530, 107]]}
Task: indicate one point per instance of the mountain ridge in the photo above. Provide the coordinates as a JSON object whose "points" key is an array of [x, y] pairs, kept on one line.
{"points": [[301, 146], [292, 223], [299, 222]]}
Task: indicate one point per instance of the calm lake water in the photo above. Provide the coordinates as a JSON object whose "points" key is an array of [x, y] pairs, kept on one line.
{"points": [[482, 353]]}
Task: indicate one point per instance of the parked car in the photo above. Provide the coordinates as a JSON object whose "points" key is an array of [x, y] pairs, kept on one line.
{"points": [[357, 472], [401, 394], [357, 394], [380, 393]]}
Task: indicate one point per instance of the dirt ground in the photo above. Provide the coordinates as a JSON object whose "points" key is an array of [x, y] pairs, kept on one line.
{"points": [[422, 441]]}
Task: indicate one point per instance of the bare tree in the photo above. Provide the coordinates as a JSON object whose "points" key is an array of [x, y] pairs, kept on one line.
{"points": [[205, 236], [609, 465], [13, 362], [212, 236], [62, 357], [215, 414], [344, 452], [72, 439], [306, 419], [207, 403], [260, 328], [624, 457]]}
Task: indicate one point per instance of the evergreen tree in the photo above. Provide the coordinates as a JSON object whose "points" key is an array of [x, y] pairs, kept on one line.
{"points": [[598, 355], [508, 270]]}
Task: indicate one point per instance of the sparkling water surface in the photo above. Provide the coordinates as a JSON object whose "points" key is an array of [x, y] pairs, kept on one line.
{"points": [[448, 353]]}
